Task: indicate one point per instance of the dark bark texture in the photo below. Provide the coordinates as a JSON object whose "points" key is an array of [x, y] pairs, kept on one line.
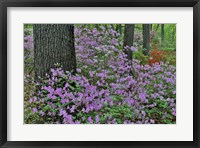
{"points": [[117, 27], [146, 38], [151, 27], [162, 34], [53, 43], [157, 27], [173, 33], [120, 29], [128, 39]]}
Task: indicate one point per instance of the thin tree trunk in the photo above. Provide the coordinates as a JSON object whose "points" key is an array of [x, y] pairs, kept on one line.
{"points": [[112, 26], [162, 34], [128, 39], [117, 26], [106, 26], [157, 27], [120, 29], [146, 38], [53, 43], [96, 26], [151, 27], [173, 33]]}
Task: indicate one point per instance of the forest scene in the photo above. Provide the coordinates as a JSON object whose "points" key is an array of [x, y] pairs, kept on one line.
{"points": [[99, 73]]}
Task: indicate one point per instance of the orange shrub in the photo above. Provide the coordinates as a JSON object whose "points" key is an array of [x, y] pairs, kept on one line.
{"points": [[156, 56]]}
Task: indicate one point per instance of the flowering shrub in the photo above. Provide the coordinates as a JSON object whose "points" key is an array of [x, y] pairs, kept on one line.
{"points": [[106, 89], [148, 97], [28, 50], [138, 38], [156, 56], [170, 57]]}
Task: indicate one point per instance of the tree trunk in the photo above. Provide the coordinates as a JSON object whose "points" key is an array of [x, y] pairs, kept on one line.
{"points": [[53, 43], [173, 33], [120, 29], [128, 39], [112, 26], [116, 28], [157, 27], [151, 27], [162, 34], [146, 38], [96, 26]]}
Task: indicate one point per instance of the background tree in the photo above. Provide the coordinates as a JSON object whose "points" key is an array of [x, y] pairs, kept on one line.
{"points": [[151, 27], [120, 29], [116, 28], [162, 34], [146, 38], [53, 43], [173, 32], [157, 26], [128, 39]]}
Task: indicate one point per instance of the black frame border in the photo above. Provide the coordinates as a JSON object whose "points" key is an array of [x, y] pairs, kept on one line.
{"points": [[99, 3]]}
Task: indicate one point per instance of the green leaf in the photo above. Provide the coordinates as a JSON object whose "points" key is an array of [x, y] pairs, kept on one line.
{"points": [[71, 87]]}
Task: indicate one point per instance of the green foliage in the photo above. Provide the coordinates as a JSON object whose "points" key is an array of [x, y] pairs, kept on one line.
{"points": [[141, 57], [28, 26], [30, 118], [120, 113], [170, 57], [169, 36], [162, 113]]}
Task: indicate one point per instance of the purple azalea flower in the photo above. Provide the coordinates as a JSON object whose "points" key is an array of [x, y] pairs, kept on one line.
{"points": [[90, 120], [35, 110]]}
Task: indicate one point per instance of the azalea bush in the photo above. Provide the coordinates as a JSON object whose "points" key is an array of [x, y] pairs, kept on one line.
{"points": [[146, 97], [28, 50], [156, 56], [107, 88]]}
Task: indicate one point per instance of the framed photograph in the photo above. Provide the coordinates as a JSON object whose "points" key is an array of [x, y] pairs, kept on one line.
{"points": [[99, 73]]}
